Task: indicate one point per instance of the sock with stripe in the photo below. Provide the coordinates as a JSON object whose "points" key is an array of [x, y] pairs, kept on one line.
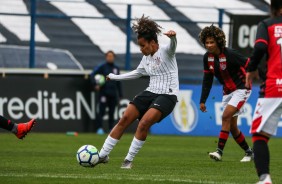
{"points": [[223, 136], [261, 153], [8, 125], [241, 141]]}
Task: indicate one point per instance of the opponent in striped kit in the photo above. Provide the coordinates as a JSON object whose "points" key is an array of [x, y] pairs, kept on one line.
{"points": [[228, 66], [158, 100], [269, 104]]}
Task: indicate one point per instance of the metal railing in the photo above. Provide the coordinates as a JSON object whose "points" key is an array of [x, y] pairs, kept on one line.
{"points": [[34, 15]]}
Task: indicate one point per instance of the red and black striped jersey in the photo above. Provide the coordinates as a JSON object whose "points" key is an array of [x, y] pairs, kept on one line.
{"points": [[269, 43], [228, 68]]}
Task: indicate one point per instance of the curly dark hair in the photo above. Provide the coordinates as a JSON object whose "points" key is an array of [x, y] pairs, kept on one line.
{"points": [[216, 33], [147, 29]]}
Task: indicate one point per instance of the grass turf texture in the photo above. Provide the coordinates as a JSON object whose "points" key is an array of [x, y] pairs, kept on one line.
{"points": [[50, 158]]}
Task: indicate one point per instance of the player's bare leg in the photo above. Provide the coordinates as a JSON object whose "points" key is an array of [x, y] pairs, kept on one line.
{"points": [[131, 114], [150, 117], [240, 140], [224, 133]]}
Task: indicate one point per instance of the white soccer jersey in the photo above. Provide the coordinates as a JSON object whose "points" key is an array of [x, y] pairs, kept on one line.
{"points": [[162, 69]]}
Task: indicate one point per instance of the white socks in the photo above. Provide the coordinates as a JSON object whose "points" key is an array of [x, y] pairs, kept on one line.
{"points": [[108, 146], [135, 146], [110, 142]]}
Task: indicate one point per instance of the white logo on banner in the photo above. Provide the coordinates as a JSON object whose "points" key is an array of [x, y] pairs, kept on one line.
{"points": [[247, 114], [184, 114], [50, 105]]}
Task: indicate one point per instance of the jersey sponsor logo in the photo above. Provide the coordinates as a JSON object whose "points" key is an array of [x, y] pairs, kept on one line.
{"points": [[157, 105], [278, 31], [278, 82], [222, 63], [211, 59], [184, 114], [223, 59]]}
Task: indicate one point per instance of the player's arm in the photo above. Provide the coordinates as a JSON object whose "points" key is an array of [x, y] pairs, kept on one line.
{"points": [[171, 48], [260, 49], [126, 76], [119, 86], [206, 85], [139, 72], [206, 88]]}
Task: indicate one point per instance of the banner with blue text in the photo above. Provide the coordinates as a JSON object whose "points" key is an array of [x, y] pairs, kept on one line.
{"points": [[187, 119]]}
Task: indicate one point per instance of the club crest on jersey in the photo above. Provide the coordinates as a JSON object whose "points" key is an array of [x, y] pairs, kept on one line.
{"points": [[210, 59], [158, 60], [278, 31], [222, 63]]}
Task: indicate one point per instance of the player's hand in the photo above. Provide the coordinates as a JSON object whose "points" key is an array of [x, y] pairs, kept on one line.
{"points": [[203, 107], [249, 79], [170, 33], [107, 78]]}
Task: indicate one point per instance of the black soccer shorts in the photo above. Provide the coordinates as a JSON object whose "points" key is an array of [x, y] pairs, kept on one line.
{"points": [[146, 100]]}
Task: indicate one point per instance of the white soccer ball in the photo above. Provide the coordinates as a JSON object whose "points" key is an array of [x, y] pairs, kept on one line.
{"points": [[100, 79], [87, 156]]}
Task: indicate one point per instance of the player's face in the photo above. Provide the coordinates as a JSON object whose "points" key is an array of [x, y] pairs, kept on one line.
{"points": [[110, 57], [146, 47], [211, 45]]}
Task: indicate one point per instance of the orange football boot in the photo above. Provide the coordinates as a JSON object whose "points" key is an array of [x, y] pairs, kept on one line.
{"points": [[24, 128]]}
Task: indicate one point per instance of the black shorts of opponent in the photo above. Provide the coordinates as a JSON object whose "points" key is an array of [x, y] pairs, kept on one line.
{"points": [[146, 100]]}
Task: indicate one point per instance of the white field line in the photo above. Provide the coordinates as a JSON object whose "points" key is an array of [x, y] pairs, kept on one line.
{"points": [[157, 178]]}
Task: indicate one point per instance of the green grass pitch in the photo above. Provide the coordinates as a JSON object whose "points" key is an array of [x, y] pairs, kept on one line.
{"points": [[50, 158]]}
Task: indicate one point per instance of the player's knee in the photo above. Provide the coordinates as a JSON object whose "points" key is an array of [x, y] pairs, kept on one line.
{"points": [[143, 126], [226, 117], [124, 121]]}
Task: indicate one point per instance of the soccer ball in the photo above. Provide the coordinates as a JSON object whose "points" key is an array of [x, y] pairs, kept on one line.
{"points": [[100, 79], [87, 156]]}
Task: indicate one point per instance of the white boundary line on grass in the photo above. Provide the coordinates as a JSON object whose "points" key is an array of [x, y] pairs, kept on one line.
{"points": [[156, 178]]}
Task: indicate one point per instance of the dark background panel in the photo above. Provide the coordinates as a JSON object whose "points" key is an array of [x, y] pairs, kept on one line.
{"points": [[58, 102], [244, 32]]}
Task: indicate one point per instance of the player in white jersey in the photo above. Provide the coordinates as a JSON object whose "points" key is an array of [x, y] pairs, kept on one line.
{"points": [[158, 100]]}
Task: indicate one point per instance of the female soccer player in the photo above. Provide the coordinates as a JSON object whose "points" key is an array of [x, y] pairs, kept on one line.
{"points": [[269, 104], [20, 129], [228, 66], [158, 100]]}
